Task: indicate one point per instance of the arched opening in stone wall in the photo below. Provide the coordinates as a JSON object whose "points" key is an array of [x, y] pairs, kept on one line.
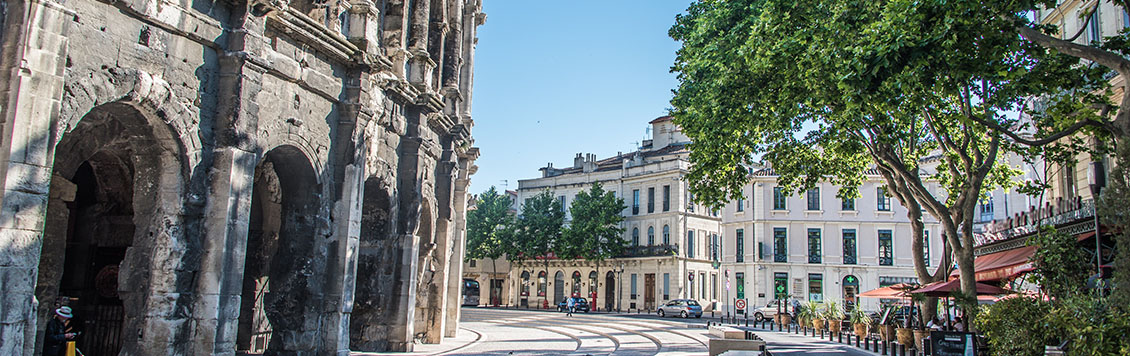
{"points": [[275, 300], [609, 291], [576, 287], [558, 287], [115, 189], [378, 267]]}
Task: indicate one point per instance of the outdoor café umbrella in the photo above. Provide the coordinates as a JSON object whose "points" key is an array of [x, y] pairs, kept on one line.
{"points": [[943, 289], [900, 290]]}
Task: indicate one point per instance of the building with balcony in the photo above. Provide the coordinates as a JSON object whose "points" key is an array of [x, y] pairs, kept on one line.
{"points": [[673, 244], [816, 246]]}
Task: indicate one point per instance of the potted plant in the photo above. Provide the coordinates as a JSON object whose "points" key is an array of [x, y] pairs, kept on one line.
{"points": [[807, 313], [920, 332], [817, 316], [887, 326], [835, 315], [859, 321]]}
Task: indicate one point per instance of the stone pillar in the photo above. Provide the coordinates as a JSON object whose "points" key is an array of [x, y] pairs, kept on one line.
{"points": [[343, 264], [453, 46], [420, 64], [219, 284], [32, 58], [435, 306], [392, 35], [455, 262], [407, 242]]}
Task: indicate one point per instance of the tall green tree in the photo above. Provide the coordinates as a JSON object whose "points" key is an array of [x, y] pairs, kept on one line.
{"points": [[595, 233], [538, 229], [827, 89], [489, 227]]}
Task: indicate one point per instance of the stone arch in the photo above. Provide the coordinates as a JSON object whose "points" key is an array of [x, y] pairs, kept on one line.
{"points": [[277, 304], [609, 291], [379, 266], [115, 235], [558, 286], [575, 289]]}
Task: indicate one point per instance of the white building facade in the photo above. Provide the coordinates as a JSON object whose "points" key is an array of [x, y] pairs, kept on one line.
{"points": [[815, 246]]}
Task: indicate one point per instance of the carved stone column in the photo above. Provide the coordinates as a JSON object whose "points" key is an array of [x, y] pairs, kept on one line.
{"points": [[34, 52]]}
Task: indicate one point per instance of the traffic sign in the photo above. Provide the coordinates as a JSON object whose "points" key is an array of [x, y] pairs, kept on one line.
{"points": [[740, 304]]}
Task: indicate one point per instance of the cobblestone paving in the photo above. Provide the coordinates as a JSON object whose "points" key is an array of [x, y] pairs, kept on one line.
{"points": [[519, 332]]}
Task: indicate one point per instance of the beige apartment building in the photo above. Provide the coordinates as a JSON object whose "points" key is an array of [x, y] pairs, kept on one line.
{"points": [[673, 244]]}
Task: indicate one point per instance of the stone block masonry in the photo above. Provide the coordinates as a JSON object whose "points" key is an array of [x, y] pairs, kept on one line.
{"points": [[222, 178]]}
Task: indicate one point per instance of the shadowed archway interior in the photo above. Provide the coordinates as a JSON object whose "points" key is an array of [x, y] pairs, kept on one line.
{"points": [[276, 302], [104, 223]]}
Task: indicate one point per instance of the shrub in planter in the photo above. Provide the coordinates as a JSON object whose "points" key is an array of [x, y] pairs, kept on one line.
{"points": [[860, 320], [905, 336], [1018, 326], [835, 315]]}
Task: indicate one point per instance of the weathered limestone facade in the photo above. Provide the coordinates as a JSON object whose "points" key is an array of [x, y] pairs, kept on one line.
{"points": [[213, 177]]}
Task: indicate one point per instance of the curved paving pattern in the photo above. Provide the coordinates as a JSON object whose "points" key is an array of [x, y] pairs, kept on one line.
{"points": [[518, 332]]}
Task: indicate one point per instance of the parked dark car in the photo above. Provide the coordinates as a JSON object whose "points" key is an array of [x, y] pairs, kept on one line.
{"points": [[681, 307], [579, 305]]}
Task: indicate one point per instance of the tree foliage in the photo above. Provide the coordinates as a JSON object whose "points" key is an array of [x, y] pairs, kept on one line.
{"points": [[825, 90], [489, 225], [595, 233], [1061, 266], [538, 230]]}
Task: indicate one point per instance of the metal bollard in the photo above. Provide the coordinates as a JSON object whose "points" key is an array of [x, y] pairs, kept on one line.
{"points": [[857, 340], [884, 353], [840, 337], [747, 323], [902, 350]]}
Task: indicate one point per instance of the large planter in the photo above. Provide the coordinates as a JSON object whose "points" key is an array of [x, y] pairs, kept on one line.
{"points": [[919, 338], [818, 324], [860, 330], [835, 325], [784, 319], [887, 332], [803, 322], [905, 336]]}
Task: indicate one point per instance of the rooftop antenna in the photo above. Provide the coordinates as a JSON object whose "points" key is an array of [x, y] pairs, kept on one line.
{"points": [[505, 184]]}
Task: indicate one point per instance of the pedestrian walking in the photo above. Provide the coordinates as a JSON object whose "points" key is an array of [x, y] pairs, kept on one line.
{"points": [[570, 304], [59, 331]]}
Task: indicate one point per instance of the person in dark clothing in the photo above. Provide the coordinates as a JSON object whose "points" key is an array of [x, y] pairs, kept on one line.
{"points": [[58, 332]]}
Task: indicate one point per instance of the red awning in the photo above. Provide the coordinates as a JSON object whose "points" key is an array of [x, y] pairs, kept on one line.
{"points": [[944, 288], [1001, 265]]}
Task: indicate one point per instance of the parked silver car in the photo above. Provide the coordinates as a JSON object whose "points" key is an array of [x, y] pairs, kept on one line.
{"points": [[766, 312], [681, 307]]}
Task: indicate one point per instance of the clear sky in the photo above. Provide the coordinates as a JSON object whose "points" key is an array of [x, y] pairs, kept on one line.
{"points": [[554, 78]]}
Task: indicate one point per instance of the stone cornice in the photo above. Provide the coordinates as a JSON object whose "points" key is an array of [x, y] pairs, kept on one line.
{"points": [[308, 31], [431, 102]]}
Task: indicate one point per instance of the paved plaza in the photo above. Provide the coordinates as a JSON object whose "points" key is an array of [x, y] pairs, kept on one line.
{"points": [[490, 331]]}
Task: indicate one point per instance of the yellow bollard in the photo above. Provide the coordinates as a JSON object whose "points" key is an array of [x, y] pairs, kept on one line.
{"points": [[70, 348]]}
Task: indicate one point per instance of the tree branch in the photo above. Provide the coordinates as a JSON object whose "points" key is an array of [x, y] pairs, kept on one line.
{"points": [[1103, 57], [995, 126]]}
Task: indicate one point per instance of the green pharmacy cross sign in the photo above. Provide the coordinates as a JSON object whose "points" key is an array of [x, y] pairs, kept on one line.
{"points": [[850, 279]]}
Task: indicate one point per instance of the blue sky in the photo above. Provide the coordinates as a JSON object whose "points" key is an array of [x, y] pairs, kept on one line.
{"points": [[553, 78]]}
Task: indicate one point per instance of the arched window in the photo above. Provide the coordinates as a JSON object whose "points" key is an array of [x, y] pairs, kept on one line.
{"points": [[541, 284], [635, 236], [666, 235], [592, 283], [576, 284], [651, 235], [525, 283]]}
